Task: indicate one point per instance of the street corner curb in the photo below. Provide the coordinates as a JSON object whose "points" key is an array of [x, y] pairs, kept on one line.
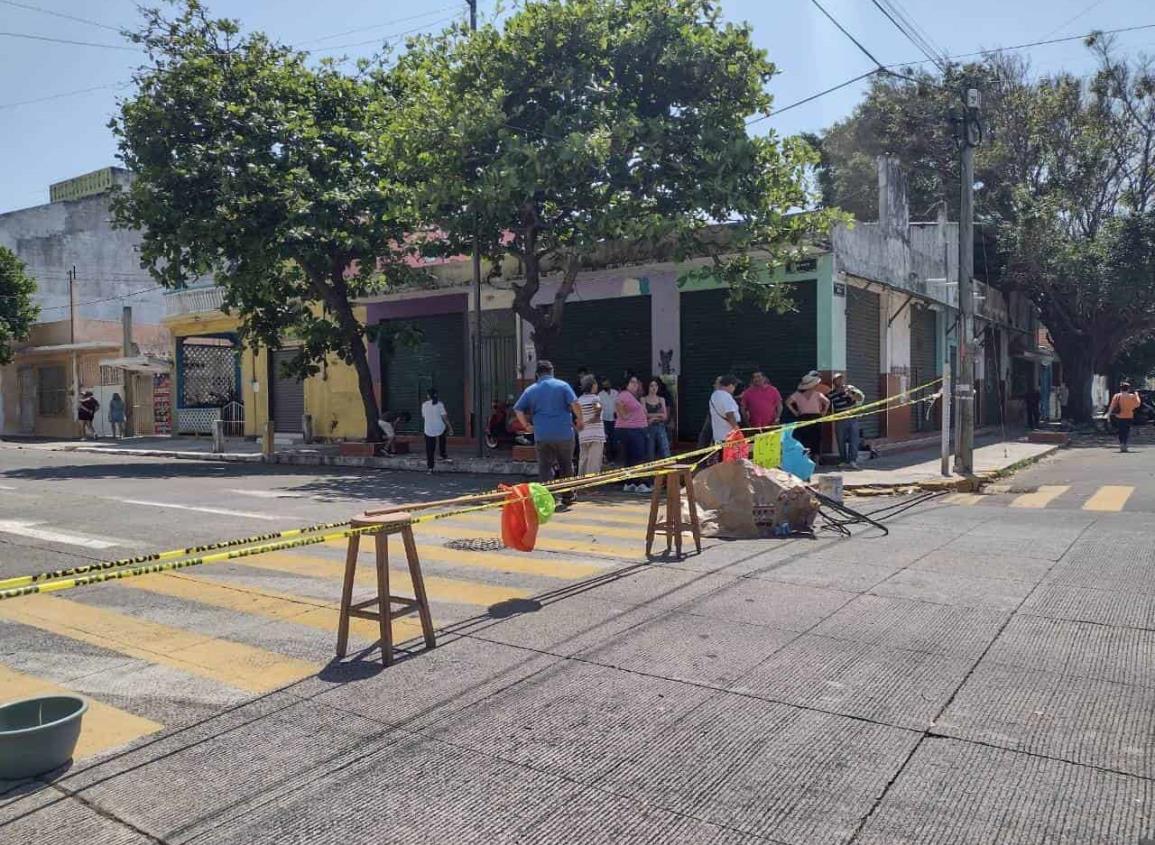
{"points": [[994, 475], [963, 484]]}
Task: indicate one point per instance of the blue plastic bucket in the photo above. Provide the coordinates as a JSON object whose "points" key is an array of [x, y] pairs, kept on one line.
{"points": [[39, 734]]}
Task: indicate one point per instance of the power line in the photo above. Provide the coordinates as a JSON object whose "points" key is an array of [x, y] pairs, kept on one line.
{"points": [[1029, 44], [912, 36], [844, 31], [391, 38], [812, 97], [69, 41], [912, 28], [63, 94], [374, 26], [1071, 20], [56, 14]]}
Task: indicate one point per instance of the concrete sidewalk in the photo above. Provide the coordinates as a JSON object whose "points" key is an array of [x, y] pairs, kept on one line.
{"points": [[918, 468], [923, 468]]}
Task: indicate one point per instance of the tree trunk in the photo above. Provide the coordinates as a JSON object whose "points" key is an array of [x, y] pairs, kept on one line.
{"points": [[338, 302], [1077, 375]]}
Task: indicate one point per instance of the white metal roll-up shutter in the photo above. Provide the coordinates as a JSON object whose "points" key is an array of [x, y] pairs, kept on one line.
{"points": [[288, 394], [864, 350]]}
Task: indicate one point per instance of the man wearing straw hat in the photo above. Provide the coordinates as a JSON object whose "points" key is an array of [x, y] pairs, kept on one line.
{"points": [[843, 398]]}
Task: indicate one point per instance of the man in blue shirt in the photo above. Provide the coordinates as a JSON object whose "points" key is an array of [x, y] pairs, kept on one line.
{"points": [[549, 408]]}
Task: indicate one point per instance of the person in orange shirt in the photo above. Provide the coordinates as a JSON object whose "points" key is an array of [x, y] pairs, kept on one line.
{"points": [[1122, 407]]}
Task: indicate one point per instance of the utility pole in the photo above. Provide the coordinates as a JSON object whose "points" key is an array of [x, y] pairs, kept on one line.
{"points": [[478, 407], [129, 388], [968, 135], [72, 340]]}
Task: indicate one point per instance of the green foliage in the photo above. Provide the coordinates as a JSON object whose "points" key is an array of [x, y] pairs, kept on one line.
{"points": [[1067, 173], [585, 123], [17, 311], [265, 172]]}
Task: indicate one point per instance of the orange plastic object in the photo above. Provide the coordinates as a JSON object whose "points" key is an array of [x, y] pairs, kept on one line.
{"points": [[738, 448], [518, 518]]}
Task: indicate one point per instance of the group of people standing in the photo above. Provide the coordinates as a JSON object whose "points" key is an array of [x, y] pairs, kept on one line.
{"points": [[760, 406], [626, 423]]}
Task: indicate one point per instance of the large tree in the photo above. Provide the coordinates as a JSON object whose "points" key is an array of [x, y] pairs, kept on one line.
{"points": [[1067, 173], [263, 170], [18, 312], [590, 125]]}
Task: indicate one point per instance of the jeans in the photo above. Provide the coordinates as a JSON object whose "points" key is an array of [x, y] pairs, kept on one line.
{"points": [[633, 442], [557, 453], [657, 441], [1124, 429], [611, 440], [434, 444], [849, 435]]}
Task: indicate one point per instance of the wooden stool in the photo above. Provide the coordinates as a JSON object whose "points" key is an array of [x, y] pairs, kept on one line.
{"points": [[670, 484], [390, 523]]}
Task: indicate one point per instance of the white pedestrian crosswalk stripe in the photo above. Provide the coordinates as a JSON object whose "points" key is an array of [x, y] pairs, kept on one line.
{"points": [[1041, 497], [197, 508], [32, 530]]}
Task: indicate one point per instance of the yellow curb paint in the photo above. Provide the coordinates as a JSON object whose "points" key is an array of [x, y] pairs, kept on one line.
{"points": [[241, 666], [438, 589], [1109, 498], [1041, 497], [284, 607], [103, 728]]}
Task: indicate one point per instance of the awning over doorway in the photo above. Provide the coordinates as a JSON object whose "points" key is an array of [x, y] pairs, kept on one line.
{"points": [[139, 364]]}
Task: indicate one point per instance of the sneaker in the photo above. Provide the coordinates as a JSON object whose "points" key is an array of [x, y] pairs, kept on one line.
{"points": [[643, 488], [853, 464], [447, 460], [630, 488]]}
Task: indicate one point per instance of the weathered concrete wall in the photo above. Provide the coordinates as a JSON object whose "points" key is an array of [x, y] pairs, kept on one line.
{"points": [[51, 239]]}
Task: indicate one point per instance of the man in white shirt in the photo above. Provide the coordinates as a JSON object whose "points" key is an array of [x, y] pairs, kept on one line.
{"points": [[724, 411], [435, 418]]}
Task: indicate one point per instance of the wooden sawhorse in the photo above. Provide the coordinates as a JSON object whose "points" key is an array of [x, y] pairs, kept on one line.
{"points": [[389, 523]]}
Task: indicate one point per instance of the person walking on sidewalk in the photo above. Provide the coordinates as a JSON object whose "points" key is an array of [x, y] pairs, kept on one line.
{"points": [[592, 437], [842, 398], [1122, 408], [631, 431], [437, 428], [86, 414], [116, 415], [549, 407]]}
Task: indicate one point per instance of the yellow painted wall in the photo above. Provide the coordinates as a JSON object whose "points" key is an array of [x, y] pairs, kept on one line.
{"points": [[331, 397]]}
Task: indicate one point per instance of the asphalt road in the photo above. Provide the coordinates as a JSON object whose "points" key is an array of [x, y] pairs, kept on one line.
{"points": [[984, 674]]}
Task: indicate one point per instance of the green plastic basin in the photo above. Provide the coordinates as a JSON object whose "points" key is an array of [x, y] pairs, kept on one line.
{"points": [[39, 734]]}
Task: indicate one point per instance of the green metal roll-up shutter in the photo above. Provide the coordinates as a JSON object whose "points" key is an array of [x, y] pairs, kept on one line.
{"points": [[864, 350], [923, 360], [438, 361], [609, 337], [717, 341]]}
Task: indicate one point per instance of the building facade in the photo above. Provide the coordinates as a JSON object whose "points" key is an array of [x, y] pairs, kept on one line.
{"points": [[87, 272]]}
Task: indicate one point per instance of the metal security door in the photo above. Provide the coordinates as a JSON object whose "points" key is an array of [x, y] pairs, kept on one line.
{"points": [[864, 350], [288, 394], [923, 360], [27, 400]]}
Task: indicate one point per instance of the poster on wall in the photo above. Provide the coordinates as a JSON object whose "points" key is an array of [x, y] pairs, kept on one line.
{"points": [[162, 403]]}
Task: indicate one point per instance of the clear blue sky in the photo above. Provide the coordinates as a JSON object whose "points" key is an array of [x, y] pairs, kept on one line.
{"points": [[55, 139]]}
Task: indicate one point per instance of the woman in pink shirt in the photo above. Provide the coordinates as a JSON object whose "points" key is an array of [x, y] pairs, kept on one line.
{"points": [[809, 403], [630, 428]]}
